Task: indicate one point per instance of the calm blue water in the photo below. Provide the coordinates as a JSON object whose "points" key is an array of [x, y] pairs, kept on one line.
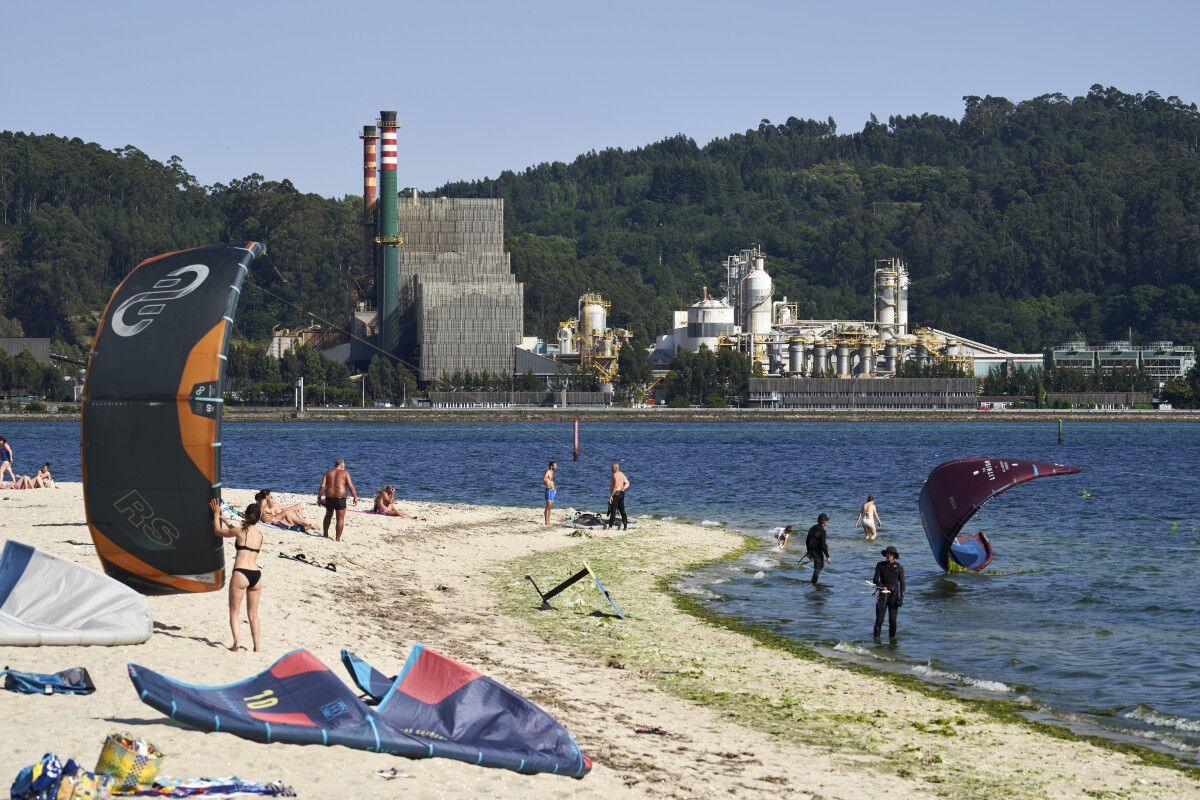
{"points": [[1092, 616]]}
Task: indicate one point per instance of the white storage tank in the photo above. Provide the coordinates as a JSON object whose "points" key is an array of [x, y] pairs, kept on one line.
{"points": [[755, 294], [707, 322], [593, 318], [566, 343]]}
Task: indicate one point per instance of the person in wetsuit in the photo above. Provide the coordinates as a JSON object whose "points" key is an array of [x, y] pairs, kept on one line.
{"points": [[616, 498], [817, 548], [889, 590], [245, 582]]}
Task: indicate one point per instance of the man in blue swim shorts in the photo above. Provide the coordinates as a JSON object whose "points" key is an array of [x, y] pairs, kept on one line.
{"points": [[548, 482]]}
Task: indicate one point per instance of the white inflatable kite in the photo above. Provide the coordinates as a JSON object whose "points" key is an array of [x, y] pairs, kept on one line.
{"points": [[46, 600]]}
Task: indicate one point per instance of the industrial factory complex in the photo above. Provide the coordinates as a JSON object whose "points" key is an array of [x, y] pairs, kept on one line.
{"points": [[446, 302]]}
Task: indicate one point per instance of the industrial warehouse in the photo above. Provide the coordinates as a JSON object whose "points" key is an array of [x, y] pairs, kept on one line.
{"points": [[446, 302]]}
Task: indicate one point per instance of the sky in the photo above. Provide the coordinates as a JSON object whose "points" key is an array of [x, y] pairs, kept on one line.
{"points": [[283, 88]]}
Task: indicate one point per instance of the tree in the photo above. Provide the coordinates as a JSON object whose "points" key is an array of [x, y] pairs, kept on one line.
{"points": [[1179, 393]]}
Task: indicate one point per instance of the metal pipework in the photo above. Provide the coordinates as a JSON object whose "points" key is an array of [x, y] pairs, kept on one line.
{"points": [[843, 360], [866, 361], [796, 356]]}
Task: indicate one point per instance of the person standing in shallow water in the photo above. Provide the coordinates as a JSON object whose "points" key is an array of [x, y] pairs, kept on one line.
{"points": [[868, 518], [818, 549], [889, 590]]}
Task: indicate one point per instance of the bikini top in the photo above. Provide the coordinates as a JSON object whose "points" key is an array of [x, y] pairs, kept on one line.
{"points": [[243, 547]]}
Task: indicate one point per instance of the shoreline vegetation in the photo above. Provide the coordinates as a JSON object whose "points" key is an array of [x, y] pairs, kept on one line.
{"points": [[741, 712], [888, 723], [438, 416]]}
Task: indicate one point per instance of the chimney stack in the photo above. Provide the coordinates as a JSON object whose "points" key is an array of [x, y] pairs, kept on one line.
{"points": [[388, 266]]}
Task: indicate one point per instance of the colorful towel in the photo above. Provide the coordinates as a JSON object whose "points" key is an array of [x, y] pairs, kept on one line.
{"points": [[199, 787]]}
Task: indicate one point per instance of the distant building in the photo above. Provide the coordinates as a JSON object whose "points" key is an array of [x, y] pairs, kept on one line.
{"points": [[863, 394], [38, 348], [284, 340], [1162, 360], [460, 306]]}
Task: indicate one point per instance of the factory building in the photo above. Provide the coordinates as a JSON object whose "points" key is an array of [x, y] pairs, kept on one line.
{"points": [[445, 296], [772, 333], [1162, 360]]}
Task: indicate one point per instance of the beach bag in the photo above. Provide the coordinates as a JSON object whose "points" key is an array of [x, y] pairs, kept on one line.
{"points": [[131, 762], [70, 681]]}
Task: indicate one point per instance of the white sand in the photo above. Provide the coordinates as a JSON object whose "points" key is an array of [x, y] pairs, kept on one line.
{"points": [[439, 582]]}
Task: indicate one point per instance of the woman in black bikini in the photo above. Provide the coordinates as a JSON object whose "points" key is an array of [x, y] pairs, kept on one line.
{"points": [[246, 578]]}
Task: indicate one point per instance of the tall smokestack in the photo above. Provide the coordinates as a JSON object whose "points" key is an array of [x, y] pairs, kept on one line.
{"points": [[370, 140], [387, 267]]}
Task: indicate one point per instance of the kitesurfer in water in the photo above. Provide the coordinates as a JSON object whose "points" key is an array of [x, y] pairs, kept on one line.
{"points": [[245, 582], [818, 549], [551, 489], [273, 512], [331, 494], [868, 519], [889, 590], [6, 459]]}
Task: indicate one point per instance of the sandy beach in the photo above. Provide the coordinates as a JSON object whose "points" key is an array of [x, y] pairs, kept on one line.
{"points": [[746, 719]]}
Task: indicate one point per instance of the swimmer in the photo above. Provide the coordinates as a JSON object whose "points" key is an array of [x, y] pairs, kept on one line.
{"points": [[868, 519]]}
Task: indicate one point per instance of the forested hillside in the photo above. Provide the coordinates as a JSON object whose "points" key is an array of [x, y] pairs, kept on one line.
{"points": [[75, 218], [1021, 223]]}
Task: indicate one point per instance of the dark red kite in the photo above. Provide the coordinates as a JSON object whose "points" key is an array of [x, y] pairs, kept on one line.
{"points": [[954, 491]]}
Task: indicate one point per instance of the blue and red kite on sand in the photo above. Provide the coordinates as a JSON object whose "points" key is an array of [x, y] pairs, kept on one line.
{"points": [[435, 707]]}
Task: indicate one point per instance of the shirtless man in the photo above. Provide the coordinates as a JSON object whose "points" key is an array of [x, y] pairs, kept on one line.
{"points": [[332, 494], [551, 491], [868, 519], [616, 497]]}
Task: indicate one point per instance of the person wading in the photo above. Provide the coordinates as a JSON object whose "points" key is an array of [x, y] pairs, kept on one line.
{"points": [[868, 518], [818, 549], [889, 590]]}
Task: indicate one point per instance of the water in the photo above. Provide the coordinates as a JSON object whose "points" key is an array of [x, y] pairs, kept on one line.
{"points": [[1091, 617]]}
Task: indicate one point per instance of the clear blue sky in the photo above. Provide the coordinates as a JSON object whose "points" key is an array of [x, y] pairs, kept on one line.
{"points": [[283, 89]]}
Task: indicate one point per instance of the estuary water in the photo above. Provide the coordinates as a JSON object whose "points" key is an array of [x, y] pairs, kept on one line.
{"points": [[1087, 610]]}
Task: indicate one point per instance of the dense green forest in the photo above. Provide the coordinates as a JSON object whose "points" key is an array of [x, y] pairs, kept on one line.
{"points": [[1022, 223]]}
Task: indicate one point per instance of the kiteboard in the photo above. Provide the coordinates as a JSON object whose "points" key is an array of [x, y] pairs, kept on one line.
{"points": [[585, 572]]}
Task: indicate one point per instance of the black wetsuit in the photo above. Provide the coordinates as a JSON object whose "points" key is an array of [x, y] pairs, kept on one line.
{"points": [[618, 504], [890, 576], [818, 551]]}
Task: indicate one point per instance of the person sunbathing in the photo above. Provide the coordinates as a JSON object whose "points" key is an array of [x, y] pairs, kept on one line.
{"points": [[274, 513], [21, 482], [43, 479], [385, 504]]}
